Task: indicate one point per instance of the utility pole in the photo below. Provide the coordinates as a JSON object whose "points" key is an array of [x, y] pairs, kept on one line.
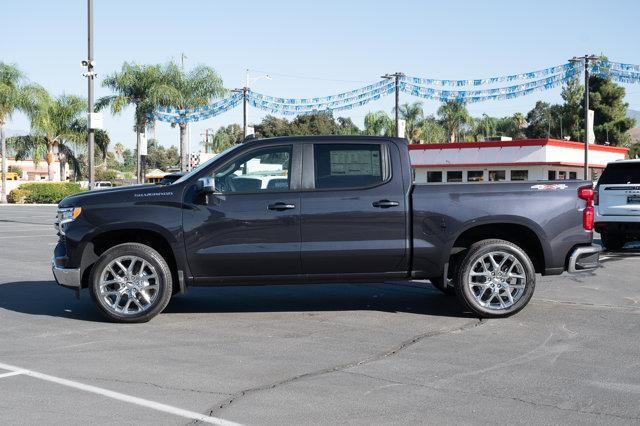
{"points": [[245, 101], [396, 76], [90, 76], [585, 59]]}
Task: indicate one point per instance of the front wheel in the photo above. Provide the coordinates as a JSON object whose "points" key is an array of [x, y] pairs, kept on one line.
{"points": [[495, 279], [131, 283]]}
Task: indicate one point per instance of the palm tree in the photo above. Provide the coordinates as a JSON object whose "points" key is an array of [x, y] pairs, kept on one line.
{"points": [[378, 123], [485, 126], [102, 143], [15, 95], [453, 117], [119, 150], [142, 86], [56, 123], [413, 115], [431, 131], [193, 89]]}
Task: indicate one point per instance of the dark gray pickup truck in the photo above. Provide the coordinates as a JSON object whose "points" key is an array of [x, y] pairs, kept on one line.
{"points": [[317, 210]]}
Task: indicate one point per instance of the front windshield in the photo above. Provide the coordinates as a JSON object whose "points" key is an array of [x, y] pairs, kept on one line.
{"points": [[206, 163]]}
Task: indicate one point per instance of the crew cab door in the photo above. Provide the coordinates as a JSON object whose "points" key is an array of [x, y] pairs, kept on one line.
{"points": [[251, 225], [353, 209], [619, 189]]}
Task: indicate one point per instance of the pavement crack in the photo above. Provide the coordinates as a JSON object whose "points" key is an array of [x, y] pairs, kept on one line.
{"points": [[155, 385], [634, 309], [341, 367], [492, 396]]}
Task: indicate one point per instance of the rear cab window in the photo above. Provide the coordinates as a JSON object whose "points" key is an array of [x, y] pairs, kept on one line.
{"points": [[349, 166], [620, 174]]}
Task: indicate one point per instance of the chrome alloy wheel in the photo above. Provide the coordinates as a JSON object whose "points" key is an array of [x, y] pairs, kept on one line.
{"points": [[497, 280], [129, 285]]}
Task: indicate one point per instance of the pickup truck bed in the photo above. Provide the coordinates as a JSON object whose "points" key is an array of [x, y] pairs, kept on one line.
{"points": [[320, 209]]}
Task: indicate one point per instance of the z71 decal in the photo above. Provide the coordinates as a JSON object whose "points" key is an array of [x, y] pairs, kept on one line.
{"points": [[549, 186]]}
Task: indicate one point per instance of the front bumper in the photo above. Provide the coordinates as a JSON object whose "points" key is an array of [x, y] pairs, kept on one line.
{"points": [[69, 278], [584, 258]]}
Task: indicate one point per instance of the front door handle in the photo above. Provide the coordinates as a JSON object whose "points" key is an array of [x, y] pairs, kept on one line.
{"points": [[385, 204], [280, 206]]}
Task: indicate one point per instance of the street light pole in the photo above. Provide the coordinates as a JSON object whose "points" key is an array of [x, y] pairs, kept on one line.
{"points": [[396, 76], [245, 97], [90, 77]]}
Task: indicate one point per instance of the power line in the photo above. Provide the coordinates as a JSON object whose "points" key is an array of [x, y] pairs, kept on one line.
{"points": [[301, 77]]}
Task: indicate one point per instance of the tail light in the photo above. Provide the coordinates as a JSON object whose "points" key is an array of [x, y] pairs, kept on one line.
{"points": [[587, 194], [588, 215]]}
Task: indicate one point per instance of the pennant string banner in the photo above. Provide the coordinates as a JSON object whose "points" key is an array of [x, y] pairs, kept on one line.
{"points": [[426, 88]]}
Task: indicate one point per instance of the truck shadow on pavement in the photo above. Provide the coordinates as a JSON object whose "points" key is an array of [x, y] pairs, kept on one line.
{"points": [[45, 298]]}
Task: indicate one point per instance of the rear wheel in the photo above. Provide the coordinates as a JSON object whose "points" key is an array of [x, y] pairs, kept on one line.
{"points": [[496, 279], [131, 283], [612, 241]]}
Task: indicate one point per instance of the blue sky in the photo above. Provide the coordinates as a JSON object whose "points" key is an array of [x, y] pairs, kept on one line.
{"points": [[334, 45]]}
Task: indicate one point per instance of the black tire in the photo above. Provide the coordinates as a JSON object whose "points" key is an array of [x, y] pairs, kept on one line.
{"points": [[475, 254], [163, 281], [612, 241]]}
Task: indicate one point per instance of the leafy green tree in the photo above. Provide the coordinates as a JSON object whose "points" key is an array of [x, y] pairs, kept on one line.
{"points": [[539, 119], [634, 151], [611, 123], [192, 89], [159, 157], [56, 123], [318, 123], [431, 131], [129, 161], [573, 110], [379, 123], [271, 127], [347, 127], [145, 87], [15, 95], [454, 117], [224, 137], [485, 126]]}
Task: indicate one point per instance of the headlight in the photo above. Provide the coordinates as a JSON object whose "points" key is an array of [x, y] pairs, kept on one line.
{"points": [[66, 216]]}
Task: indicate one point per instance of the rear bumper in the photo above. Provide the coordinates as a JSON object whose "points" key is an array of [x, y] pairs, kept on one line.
{"points": [[69, 278], [584, 258]]}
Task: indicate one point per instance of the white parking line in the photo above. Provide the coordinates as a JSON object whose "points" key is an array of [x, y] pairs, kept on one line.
{"points": [[14, 371], [30, 236]]}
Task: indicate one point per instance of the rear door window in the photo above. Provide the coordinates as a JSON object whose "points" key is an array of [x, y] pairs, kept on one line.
{"points": [[620, 173], [342, 166]]}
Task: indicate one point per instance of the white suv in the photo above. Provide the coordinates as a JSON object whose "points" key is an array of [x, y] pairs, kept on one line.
{"points": [[617, 201]]}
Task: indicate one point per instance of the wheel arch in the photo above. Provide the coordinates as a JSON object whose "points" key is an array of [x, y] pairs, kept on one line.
{"points": [[523, 235], [106, 238]]}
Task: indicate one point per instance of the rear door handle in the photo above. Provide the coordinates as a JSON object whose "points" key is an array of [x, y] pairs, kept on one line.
{"points": [[385, 204], [280, 206]]}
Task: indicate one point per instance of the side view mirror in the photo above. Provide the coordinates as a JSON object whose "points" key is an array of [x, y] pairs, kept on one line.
{"points": [[207, 185]]}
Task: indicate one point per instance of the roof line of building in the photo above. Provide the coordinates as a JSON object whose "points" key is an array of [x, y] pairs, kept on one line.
{"points": [[534, 163], [519, 143]]}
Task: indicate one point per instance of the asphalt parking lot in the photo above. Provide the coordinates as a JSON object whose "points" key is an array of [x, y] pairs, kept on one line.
{"points": [[319, 354]]}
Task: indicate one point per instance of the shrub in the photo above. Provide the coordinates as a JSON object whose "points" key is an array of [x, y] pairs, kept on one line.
{"points": [[108, 175], [48, 193], [17, 196]]}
